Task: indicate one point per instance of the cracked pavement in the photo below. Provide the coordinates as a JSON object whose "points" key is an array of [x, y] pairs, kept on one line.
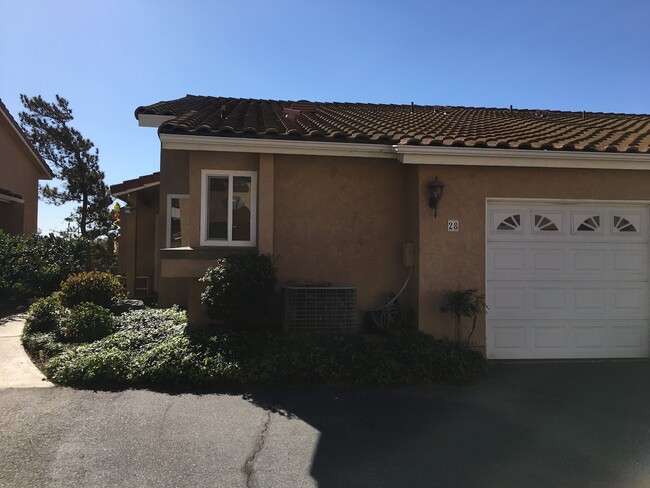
{"points": [[249, 466], [550, 424]]}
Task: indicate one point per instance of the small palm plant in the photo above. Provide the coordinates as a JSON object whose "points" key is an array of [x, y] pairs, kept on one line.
{"points": [[464, 303]]}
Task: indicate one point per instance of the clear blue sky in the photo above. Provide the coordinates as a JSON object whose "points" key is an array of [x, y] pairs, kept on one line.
{"points": [[108, 58]]}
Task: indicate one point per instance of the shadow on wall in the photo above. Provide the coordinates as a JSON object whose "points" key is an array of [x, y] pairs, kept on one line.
{"points": [[528, 425]]}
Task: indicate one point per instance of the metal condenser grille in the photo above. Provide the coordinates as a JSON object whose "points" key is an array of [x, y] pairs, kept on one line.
{"points": [[320, 307]]}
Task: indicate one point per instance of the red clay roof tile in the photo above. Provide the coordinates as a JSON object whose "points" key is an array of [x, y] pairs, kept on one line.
{"points": [[135, 184], [404, 124]]}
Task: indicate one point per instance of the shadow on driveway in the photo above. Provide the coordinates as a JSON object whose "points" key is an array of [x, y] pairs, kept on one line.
{"points": [[545, 424]]}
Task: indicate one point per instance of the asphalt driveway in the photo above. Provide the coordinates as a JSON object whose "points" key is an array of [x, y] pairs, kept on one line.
{"points": [[571, 424]]}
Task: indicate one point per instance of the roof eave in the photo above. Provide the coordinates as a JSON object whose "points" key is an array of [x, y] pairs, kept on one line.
{"points": [[469, 156], [152, 120], [426, 155]]}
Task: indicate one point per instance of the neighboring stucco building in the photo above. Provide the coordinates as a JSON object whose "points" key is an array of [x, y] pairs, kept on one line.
{"points": [[20, 169], [544, 212], [138, 246]]}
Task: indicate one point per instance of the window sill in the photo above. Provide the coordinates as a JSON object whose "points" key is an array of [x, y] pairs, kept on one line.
{"points": [[203, 252]]}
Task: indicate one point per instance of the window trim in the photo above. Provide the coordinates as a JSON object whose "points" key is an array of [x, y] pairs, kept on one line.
{"points": [[207, 173], [168, 227]]}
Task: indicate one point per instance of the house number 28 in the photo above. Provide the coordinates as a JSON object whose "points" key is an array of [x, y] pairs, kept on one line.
{"points": [[453, 225]]}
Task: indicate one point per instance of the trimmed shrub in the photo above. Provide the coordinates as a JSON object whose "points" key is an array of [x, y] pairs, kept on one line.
{"points": [[240, 288], [92, 287], [45, 315], [87, 322]]}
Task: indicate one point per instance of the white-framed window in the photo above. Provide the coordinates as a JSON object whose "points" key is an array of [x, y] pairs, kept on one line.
{"points": [[228, 208], [174, 219]]}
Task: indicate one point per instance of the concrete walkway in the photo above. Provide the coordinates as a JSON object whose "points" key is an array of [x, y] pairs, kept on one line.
{"points": [[16, 369]]}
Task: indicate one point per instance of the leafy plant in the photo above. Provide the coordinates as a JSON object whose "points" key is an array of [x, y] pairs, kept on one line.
{"points": [[154, 348], [35, 266], [464, 303], [92, 287], [42, 345], [45, 314], [240, 288], [87, 322]]}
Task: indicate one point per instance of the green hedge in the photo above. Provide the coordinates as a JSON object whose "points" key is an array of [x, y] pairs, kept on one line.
{"points": [[35, 266], [154, 348]]}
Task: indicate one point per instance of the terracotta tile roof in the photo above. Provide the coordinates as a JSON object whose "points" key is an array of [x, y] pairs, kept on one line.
{"points": [[423, 125], [135, 184]]}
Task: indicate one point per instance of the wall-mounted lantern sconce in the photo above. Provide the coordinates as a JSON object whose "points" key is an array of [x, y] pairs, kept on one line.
{"points": [[436, 188]]}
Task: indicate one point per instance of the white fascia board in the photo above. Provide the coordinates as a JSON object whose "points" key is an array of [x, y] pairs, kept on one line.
{"points": [[463, 156], [149, 120], [451, 156], [133, 190], [236, 144]]}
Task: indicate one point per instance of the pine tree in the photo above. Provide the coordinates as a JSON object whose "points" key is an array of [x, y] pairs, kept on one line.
{"points": [[75, 162]]}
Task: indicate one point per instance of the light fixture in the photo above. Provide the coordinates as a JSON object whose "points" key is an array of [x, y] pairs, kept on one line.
{"points": [[436, 188]]}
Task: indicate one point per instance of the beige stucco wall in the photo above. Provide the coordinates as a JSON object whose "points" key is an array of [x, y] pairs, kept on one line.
{"points": [[341, 220], [137, 245], [181, 174], [456, 260], [18, 174], [345, 220], [174, 179]]}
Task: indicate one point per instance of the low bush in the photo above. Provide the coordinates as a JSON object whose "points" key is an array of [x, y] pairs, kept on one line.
{"points": [[42, 345], [154, 348], [240, 288], [45, 314], [87, 322], [118, 358], [92, 287]]}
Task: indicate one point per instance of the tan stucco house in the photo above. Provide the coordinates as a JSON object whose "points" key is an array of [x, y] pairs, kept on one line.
{"points": [[544, 212], [21, 166]]}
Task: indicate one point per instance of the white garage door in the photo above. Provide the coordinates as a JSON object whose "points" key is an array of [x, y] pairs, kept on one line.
{"points": [[567, 281]]}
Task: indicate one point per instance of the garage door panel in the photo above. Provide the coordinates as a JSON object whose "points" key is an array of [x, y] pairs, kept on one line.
{"points": [[548, 260], [590, 337], [508, 339], [549, 337], [508, 261], [547, 300], [567, 300], [630, 261], [590, 299], [561, 261], [630, 337], [589, 260], [507, 301]]}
